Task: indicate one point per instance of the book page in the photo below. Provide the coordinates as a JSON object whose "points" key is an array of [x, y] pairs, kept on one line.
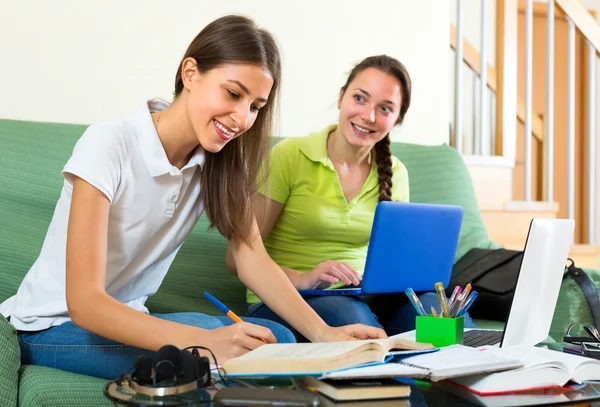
{"points": [[309, 350], [532, 356], [580, 368], [459, 360], [401, 344]]}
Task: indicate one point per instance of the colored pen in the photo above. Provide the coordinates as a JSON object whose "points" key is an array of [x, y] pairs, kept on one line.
{"points": [[453, 297], [457, 304], [434, 312], [223, 308], [468, 304], [415, 301], [439, 289], [467, 291]]}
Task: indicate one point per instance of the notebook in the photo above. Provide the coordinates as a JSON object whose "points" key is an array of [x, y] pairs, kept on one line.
{"points": [[315, 359], [536, 292], [542, 368], [448, 362], [402, 235], [357, 389]]}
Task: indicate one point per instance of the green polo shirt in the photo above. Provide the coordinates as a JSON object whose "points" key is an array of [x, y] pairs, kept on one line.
{"points": [[317, 223]]}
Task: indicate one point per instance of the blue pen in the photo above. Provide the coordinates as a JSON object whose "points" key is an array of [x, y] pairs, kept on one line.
{"points": [[223, 308], [414, 300], [468, 304]]}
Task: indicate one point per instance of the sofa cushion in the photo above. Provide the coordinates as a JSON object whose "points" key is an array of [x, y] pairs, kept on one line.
{"points": [[46, 387], [10, 361], [33, 155], [437, 174], [199, 267]]}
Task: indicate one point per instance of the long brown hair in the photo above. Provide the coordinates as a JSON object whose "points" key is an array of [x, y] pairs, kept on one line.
{"points": [[383, 152], [231, 176]]}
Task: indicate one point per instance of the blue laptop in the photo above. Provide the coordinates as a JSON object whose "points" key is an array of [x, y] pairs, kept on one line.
{"points": [[411, 245]]}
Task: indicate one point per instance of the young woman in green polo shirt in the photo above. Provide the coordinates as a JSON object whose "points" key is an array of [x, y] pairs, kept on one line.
{"points": [[316, 215]]}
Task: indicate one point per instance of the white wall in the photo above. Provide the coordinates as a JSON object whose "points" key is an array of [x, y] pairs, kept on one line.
{"points": [[85, 61]]}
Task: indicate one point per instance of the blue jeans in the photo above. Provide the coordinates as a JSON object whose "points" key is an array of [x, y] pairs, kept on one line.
{"points": [[392, 312], [68, 347]]}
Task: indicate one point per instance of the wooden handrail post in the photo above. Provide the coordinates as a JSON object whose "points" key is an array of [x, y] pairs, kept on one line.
{"points": [[506, 70]]}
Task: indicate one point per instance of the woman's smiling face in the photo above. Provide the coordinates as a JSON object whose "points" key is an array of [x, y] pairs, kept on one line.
{"points": [[225, 102], [369, 108]]}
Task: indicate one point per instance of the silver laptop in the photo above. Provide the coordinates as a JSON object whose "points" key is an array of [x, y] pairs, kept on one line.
{"points": [[538, 284]]}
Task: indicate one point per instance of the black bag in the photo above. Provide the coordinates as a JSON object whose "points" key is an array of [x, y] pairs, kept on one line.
{"points": [[493, 274]]}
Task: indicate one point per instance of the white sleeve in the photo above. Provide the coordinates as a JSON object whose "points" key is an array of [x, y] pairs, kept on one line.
{"points": [[97, 159]]}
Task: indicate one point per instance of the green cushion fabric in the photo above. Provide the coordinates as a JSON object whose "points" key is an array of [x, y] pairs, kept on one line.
{"points": [[32, 158], [437, 174], [10, 361], [572, 305], [47, 387], [199, 267]]}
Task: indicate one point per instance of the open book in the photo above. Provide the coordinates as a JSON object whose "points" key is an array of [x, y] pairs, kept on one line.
{"points": [[313, 359], [542, 368], [451, 361]]}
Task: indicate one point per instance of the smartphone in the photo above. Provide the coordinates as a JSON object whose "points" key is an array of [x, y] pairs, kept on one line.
{"points": [[256, 396]]}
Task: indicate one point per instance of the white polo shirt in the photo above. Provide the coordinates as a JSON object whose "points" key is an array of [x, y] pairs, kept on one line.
{"points": [[154, 206]]}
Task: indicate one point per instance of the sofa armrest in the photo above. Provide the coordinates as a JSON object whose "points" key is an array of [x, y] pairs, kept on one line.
{"points": [[10, 363]]}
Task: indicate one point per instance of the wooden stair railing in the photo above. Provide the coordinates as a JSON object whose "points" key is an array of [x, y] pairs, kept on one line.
{"points": [[472, 58]]}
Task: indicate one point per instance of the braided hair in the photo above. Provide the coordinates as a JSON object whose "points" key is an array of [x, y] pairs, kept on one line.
{"points": [[383, 152]]}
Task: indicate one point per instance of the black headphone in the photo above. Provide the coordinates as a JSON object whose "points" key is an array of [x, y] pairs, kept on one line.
{"points": [[174, 372]]}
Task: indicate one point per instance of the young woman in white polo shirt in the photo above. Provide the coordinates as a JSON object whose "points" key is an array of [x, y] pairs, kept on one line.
{"points": [[134, 188]]}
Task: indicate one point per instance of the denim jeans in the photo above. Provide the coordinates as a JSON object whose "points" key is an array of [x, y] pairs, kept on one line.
{"points": [[392, 312], [70, 348]]}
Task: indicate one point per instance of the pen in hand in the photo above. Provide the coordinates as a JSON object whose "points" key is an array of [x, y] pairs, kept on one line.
{"points": [[225, 310]]}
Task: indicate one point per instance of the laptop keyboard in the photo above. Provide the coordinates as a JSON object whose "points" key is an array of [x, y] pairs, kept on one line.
{"points": [[481, 337]]}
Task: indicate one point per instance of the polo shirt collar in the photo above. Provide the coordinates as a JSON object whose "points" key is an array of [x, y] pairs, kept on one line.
{"points": [[153, 151], [314, 147]]}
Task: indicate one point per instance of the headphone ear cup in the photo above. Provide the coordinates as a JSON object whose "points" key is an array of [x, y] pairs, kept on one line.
{"points": [[143, 369], [188, 368], [203, 371], [168, 362]]}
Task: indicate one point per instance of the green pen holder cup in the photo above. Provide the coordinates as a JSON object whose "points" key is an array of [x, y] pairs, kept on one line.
{"points": [[440, 331]]}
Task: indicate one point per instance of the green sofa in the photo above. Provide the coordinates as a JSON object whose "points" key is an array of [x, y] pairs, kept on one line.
{"points": [[31, 159]]}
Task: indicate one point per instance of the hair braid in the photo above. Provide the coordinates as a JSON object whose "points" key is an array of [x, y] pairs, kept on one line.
{"points": [[383, 158]]}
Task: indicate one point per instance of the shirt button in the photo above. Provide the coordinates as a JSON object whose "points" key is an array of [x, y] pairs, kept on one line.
{"points": [[174, 198], [169, 212]]}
